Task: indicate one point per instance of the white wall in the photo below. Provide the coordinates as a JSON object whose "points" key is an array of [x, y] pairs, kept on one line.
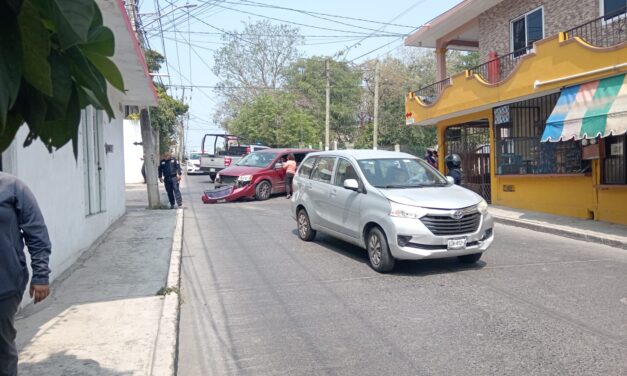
{"points": [[58, 182], [133, 154]]}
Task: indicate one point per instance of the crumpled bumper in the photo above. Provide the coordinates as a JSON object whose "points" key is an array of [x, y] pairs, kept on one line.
{"points": [[225, 193]]}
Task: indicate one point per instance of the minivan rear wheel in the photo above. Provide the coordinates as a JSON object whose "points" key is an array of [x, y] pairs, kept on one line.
{"points": [[381, 259], [469, 259], [305, 232], [263, 190]]}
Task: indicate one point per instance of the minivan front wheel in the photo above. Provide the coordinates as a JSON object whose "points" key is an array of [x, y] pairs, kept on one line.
{"points": [[263, 190], [305, 232], [381, 259]]}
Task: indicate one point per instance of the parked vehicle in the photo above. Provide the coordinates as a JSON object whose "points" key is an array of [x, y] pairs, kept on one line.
{"points": [[191, 168], [392, 204], [194, 159], [228, 151], [258, 175]]}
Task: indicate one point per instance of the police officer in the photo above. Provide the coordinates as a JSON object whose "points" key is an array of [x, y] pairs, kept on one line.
{"points": [[454, 163], [170, 174]]}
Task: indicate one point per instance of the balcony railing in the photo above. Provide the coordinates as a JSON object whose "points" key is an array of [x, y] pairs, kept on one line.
{"points": [[496, 70], [605, 31], [428, 94]]}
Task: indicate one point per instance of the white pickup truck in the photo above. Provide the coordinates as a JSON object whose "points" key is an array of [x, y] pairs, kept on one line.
{"points": [[227, 149]]}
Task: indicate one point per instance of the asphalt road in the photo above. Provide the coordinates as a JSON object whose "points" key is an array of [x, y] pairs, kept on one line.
{"points": [[259, 301]]}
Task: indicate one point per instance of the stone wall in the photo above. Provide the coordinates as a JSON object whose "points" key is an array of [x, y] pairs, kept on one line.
{"points": [[559, 15]]}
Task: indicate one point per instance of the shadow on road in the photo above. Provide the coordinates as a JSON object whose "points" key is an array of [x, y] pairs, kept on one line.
{"points": [[420, 268]]}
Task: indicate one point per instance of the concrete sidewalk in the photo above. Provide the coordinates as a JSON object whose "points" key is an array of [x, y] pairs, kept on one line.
{"points": [[582, 229], [104, 316]]}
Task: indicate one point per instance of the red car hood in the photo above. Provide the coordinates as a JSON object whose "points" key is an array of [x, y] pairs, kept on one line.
{"points": [[241, 170]]}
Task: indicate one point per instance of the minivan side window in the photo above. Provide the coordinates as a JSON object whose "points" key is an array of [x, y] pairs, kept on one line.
{"points": [[323, 169], [344, 171], [306, 167]]}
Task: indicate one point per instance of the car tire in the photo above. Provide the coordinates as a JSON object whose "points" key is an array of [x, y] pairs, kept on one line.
{"points": [[305, 232], [212, 176], [381, 259], [263, 190], [469, 259]]}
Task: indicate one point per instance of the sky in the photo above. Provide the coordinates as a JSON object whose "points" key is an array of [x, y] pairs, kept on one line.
{"points": [[203, 21]]}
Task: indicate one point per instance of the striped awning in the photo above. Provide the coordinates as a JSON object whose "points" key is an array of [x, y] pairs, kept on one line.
{"points": [[597, 108]]}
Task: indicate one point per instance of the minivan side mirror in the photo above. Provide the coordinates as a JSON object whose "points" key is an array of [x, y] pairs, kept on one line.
{"points": [[450, 179], [278, 166], [351, 184]]}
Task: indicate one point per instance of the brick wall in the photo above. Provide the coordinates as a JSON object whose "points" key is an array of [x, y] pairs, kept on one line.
{"points": [[559, 15]]}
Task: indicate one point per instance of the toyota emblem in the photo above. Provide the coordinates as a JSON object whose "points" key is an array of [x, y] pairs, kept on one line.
{"points": [[458, 214]]}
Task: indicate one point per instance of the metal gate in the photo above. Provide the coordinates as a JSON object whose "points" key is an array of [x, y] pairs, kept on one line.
{"points": [[472, 142]]}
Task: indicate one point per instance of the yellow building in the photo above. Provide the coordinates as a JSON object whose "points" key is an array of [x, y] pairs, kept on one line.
{"points": [[541, 124]]}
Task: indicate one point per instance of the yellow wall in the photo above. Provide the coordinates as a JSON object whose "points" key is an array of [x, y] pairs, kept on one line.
{"points": [[552, 59], [561, 195], [613, 204]]}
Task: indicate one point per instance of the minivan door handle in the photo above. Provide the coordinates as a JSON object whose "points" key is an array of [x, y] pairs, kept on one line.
{"points": [[332, 193]]}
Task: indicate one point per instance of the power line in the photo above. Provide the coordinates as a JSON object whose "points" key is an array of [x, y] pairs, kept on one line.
{"points": [[262, 5], [311, 15], [290, 22], [304, 36], [383, 27]]}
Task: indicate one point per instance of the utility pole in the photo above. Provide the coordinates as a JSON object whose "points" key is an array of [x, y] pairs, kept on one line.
{"points": [[375, 121], [151, 158], [328, 107]]}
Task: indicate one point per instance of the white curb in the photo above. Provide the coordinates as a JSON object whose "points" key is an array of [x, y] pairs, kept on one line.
{"points": [[164, 357]]}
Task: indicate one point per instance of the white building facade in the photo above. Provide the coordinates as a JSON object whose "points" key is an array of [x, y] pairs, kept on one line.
{"points": [[80, 198]]}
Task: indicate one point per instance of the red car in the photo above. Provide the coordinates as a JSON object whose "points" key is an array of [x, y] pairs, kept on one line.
{"points": [[258, 175]]}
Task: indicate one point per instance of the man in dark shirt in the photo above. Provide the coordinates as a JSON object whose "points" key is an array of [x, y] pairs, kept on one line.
{"points": [[170, 175], [21, 222]]}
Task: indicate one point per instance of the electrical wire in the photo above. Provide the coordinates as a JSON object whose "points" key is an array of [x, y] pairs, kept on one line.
{"points": [[263, 5], [291, 22]]}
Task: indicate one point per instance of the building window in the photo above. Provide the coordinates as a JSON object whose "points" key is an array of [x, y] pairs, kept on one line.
{"points": [[612, 8], [527, 29], [518, 128], [615, 162]]}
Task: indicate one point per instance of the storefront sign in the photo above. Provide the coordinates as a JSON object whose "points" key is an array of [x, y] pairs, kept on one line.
{"points": [[591, 151], [501, 115], [616, 148]]}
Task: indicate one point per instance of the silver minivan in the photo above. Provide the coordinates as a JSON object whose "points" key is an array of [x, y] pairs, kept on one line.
{"points": [[392, 204]]}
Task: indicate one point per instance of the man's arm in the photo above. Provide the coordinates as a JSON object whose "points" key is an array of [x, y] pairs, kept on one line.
{"points": [[31, 222], [179, 172]]}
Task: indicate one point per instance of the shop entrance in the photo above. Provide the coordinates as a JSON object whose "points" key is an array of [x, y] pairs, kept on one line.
{"points": [[472, 142]]}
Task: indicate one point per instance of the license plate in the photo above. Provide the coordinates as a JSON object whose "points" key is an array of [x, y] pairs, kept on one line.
{"points": [[221, 201], [457, 243], [212, 170]]}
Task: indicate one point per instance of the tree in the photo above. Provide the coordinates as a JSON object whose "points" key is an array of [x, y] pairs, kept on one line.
{"points": [[54, 61], [252, 62], [306, 78], [273, 119], [165, 117], [396, 79]]}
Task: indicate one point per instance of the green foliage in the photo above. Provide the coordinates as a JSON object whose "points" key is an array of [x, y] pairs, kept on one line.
{"points": [[396, 78], [457, 61], [164, 118], [274, 120], [251, 62], [154, 60], [54, 61], [306, 78]]}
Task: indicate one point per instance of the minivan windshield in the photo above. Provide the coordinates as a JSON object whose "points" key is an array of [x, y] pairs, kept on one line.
{"points": [[257, 159], [401, 173]]}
